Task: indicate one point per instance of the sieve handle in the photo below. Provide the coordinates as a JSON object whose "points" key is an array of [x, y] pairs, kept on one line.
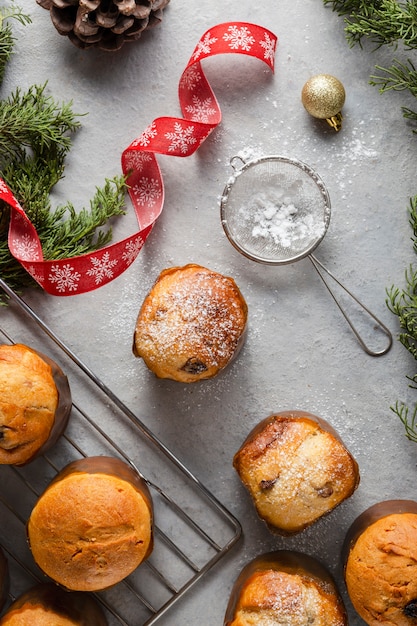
{"points": [[320, 268]]}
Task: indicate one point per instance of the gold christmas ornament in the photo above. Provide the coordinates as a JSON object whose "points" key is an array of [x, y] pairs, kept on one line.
{"points": [[323, 96]]}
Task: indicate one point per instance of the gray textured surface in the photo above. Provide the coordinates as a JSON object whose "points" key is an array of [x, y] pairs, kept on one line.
{"points": [[299, 353]]}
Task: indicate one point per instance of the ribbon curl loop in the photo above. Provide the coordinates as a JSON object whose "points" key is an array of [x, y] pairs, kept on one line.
{"points": [[173, 136]]}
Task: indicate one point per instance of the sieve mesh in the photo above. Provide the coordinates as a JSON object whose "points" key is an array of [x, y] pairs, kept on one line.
{"points": [[275, 209]]}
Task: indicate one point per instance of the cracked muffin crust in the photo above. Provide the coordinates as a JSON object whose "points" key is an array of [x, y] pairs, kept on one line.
{"points": [[93, 525], [296, 469]]}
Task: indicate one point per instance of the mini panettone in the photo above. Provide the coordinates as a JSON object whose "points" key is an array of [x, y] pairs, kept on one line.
{"points": [[296, 469], [35, 404], [285, 588], [93, 525], [191, 324], [380, 560], [48, 605]]}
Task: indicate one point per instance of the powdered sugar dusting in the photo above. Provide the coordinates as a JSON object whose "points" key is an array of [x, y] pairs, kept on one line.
{"points": [[279, 598], [195, 318]]}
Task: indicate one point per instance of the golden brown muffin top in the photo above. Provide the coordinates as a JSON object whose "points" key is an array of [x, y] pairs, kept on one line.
{"points": [[381, 571], [46, 604], [28, 401], [89, 530]]}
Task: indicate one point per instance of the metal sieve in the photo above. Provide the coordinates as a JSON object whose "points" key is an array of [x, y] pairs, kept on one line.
{"points": [[276, 210]]}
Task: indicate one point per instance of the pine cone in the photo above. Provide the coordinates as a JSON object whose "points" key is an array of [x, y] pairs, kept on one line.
{"points": [[105, 24]]}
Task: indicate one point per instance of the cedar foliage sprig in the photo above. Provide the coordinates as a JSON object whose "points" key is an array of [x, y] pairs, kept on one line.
{"points": [[403, 303], [398, 77], [384, 22], [6, 33], [35, 138]]}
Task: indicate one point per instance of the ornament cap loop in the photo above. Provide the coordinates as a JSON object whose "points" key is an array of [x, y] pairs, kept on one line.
{"points": [[335, 121]]}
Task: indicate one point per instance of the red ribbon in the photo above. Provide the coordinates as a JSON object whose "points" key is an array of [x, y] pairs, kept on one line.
{"points": [[165, 135]]}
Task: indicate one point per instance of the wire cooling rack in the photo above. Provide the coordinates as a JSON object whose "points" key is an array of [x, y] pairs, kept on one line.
{"points": [[193, 530]]}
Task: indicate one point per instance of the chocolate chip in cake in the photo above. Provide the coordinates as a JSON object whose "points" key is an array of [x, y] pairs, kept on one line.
{"points": [[194, 366], [410, 610], [326, 491], [268, 484]]}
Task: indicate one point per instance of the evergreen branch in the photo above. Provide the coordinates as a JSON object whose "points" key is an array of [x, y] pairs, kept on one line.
{"points": [[32, 179], [387, 22], [398, 77], [6, 36], [348, 7], [403, 304], [410, 115], [6, 48], [15, 12], [409, 421], [79, 234], [33, 120], [413, 219]]}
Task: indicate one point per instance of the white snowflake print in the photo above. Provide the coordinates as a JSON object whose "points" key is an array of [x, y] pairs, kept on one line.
{"points": [[201, 110], [268, 44], [102, 268], [145, 138], [190, 78], [65, 277], [181, 139], [20, 221], [204, 45], [3, 186], [35, 275], [26, 248], [147, 191], [136, 160], [132, 250], [239, 38]]}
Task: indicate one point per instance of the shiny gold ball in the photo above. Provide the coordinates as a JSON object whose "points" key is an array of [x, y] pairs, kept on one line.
{"points": [[323, 96]]}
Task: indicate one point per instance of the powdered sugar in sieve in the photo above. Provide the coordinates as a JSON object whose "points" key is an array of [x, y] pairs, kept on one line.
{"points": [[276, 210]]}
